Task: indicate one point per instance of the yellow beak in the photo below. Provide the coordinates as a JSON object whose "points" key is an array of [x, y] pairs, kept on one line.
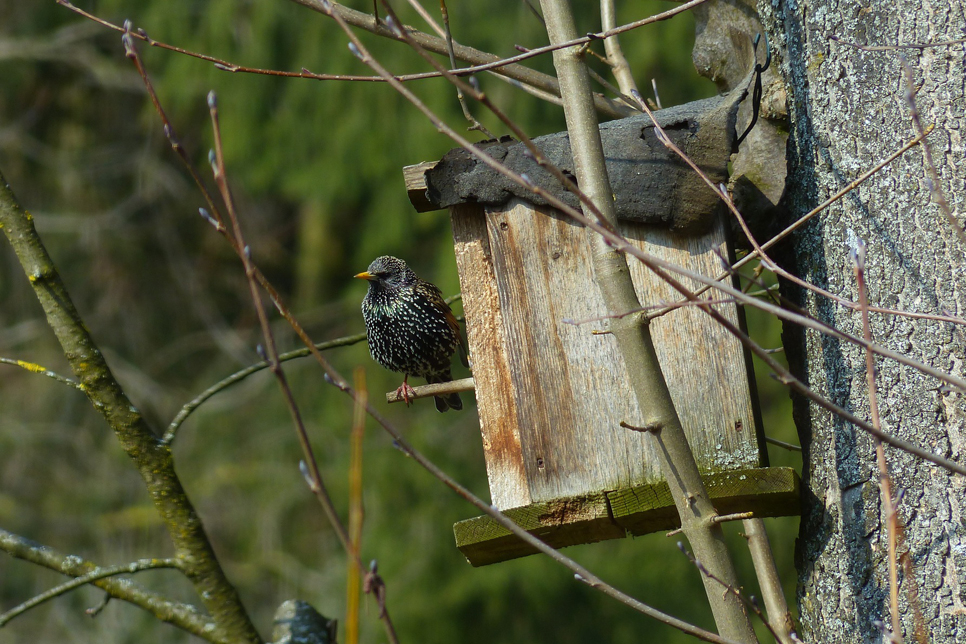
{"points": [[365, 276]]}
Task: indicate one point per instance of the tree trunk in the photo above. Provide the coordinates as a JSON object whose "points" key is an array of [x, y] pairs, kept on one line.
{"points": [[848, 110]]}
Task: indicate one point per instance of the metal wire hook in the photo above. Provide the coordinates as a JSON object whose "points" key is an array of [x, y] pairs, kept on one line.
{"points": [[756, 95]]}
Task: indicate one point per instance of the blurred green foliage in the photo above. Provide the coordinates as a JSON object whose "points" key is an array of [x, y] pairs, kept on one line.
{"points": [[316, 168]]}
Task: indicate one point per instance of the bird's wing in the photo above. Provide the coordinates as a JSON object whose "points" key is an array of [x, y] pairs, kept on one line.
{"points": [[463, 351], [454, 324]]}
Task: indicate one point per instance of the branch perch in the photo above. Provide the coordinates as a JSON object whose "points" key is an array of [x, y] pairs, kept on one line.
{"points": [[435, 389]]}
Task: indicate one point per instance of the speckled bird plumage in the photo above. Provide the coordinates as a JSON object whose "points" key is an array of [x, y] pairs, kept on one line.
{"points": [[410, 327]]}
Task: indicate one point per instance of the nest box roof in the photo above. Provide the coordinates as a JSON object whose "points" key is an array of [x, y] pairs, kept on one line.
{"points": [[650, 182]]}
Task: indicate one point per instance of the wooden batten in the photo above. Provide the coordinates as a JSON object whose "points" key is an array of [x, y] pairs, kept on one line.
{"points": [[643, 509]]}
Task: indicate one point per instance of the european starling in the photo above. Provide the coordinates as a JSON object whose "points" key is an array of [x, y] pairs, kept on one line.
{"points": [[411, 328]]}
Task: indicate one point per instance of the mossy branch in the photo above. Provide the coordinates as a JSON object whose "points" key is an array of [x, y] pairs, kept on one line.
{"points": [[151, 457], [183, 616]]}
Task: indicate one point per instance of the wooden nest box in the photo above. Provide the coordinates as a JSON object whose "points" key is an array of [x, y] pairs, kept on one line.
{"points": [[551, 394]]}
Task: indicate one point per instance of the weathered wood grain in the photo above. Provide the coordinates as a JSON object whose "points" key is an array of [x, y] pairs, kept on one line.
{"points": [[415, 178], [572, 383], [551, 393], [496, 395], [710, 380]]}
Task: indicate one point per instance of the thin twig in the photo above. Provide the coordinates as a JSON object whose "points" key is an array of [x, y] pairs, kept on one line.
{"points": [[356, 511], [435, 389], [481, 61], [782, 374], [763, 560], [732, 590], [191, 406], [736, 516], [615, 56], [722, 193], [544, 83], [789, 446], [662, 305], [269, 353], [857, 253], [474, 124], [95, 575], [538, 156], [36, 368], [818, 209], [718, 518], [634, 341], [240, 375], [935, 187], [270, 350]]}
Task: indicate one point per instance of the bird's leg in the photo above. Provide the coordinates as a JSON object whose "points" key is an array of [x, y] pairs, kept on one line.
{"points": [[405, 390]]}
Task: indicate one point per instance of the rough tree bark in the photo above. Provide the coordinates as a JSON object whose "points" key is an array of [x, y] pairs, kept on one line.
{"points": [[848, 109]]}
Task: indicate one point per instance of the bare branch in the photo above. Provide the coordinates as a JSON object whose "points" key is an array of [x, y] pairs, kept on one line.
{"points": [[615, 56], [95, 575], [885, 480], [184, 616], [771, 588], [818, 209], [269, 353], [783, 444], [633, 336], [482, 61], [731, 590], [935, 187], [240, 375]]}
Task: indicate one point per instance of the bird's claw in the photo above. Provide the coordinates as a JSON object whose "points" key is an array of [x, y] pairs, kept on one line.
{"points": [[406, 392]]}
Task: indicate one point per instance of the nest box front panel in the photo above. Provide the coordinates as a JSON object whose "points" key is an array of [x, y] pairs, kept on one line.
{"points": [[551, 394], [707, 369]]}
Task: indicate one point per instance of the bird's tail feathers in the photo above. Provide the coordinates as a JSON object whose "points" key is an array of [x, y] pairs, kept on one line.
{"points": [[446, 401]]}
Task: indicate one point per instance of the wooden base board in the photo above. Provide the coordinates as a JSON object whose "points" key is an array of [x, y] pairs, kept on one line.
{"points": [[768, 492]]}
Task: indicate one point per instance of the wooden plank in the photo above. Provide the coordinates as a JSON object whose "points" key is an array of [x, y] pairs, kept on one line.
{"points": [[496, 395], [572, 384], [709, 378], [561, 523], [768, 492], [415, 178], [551, 394]]}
